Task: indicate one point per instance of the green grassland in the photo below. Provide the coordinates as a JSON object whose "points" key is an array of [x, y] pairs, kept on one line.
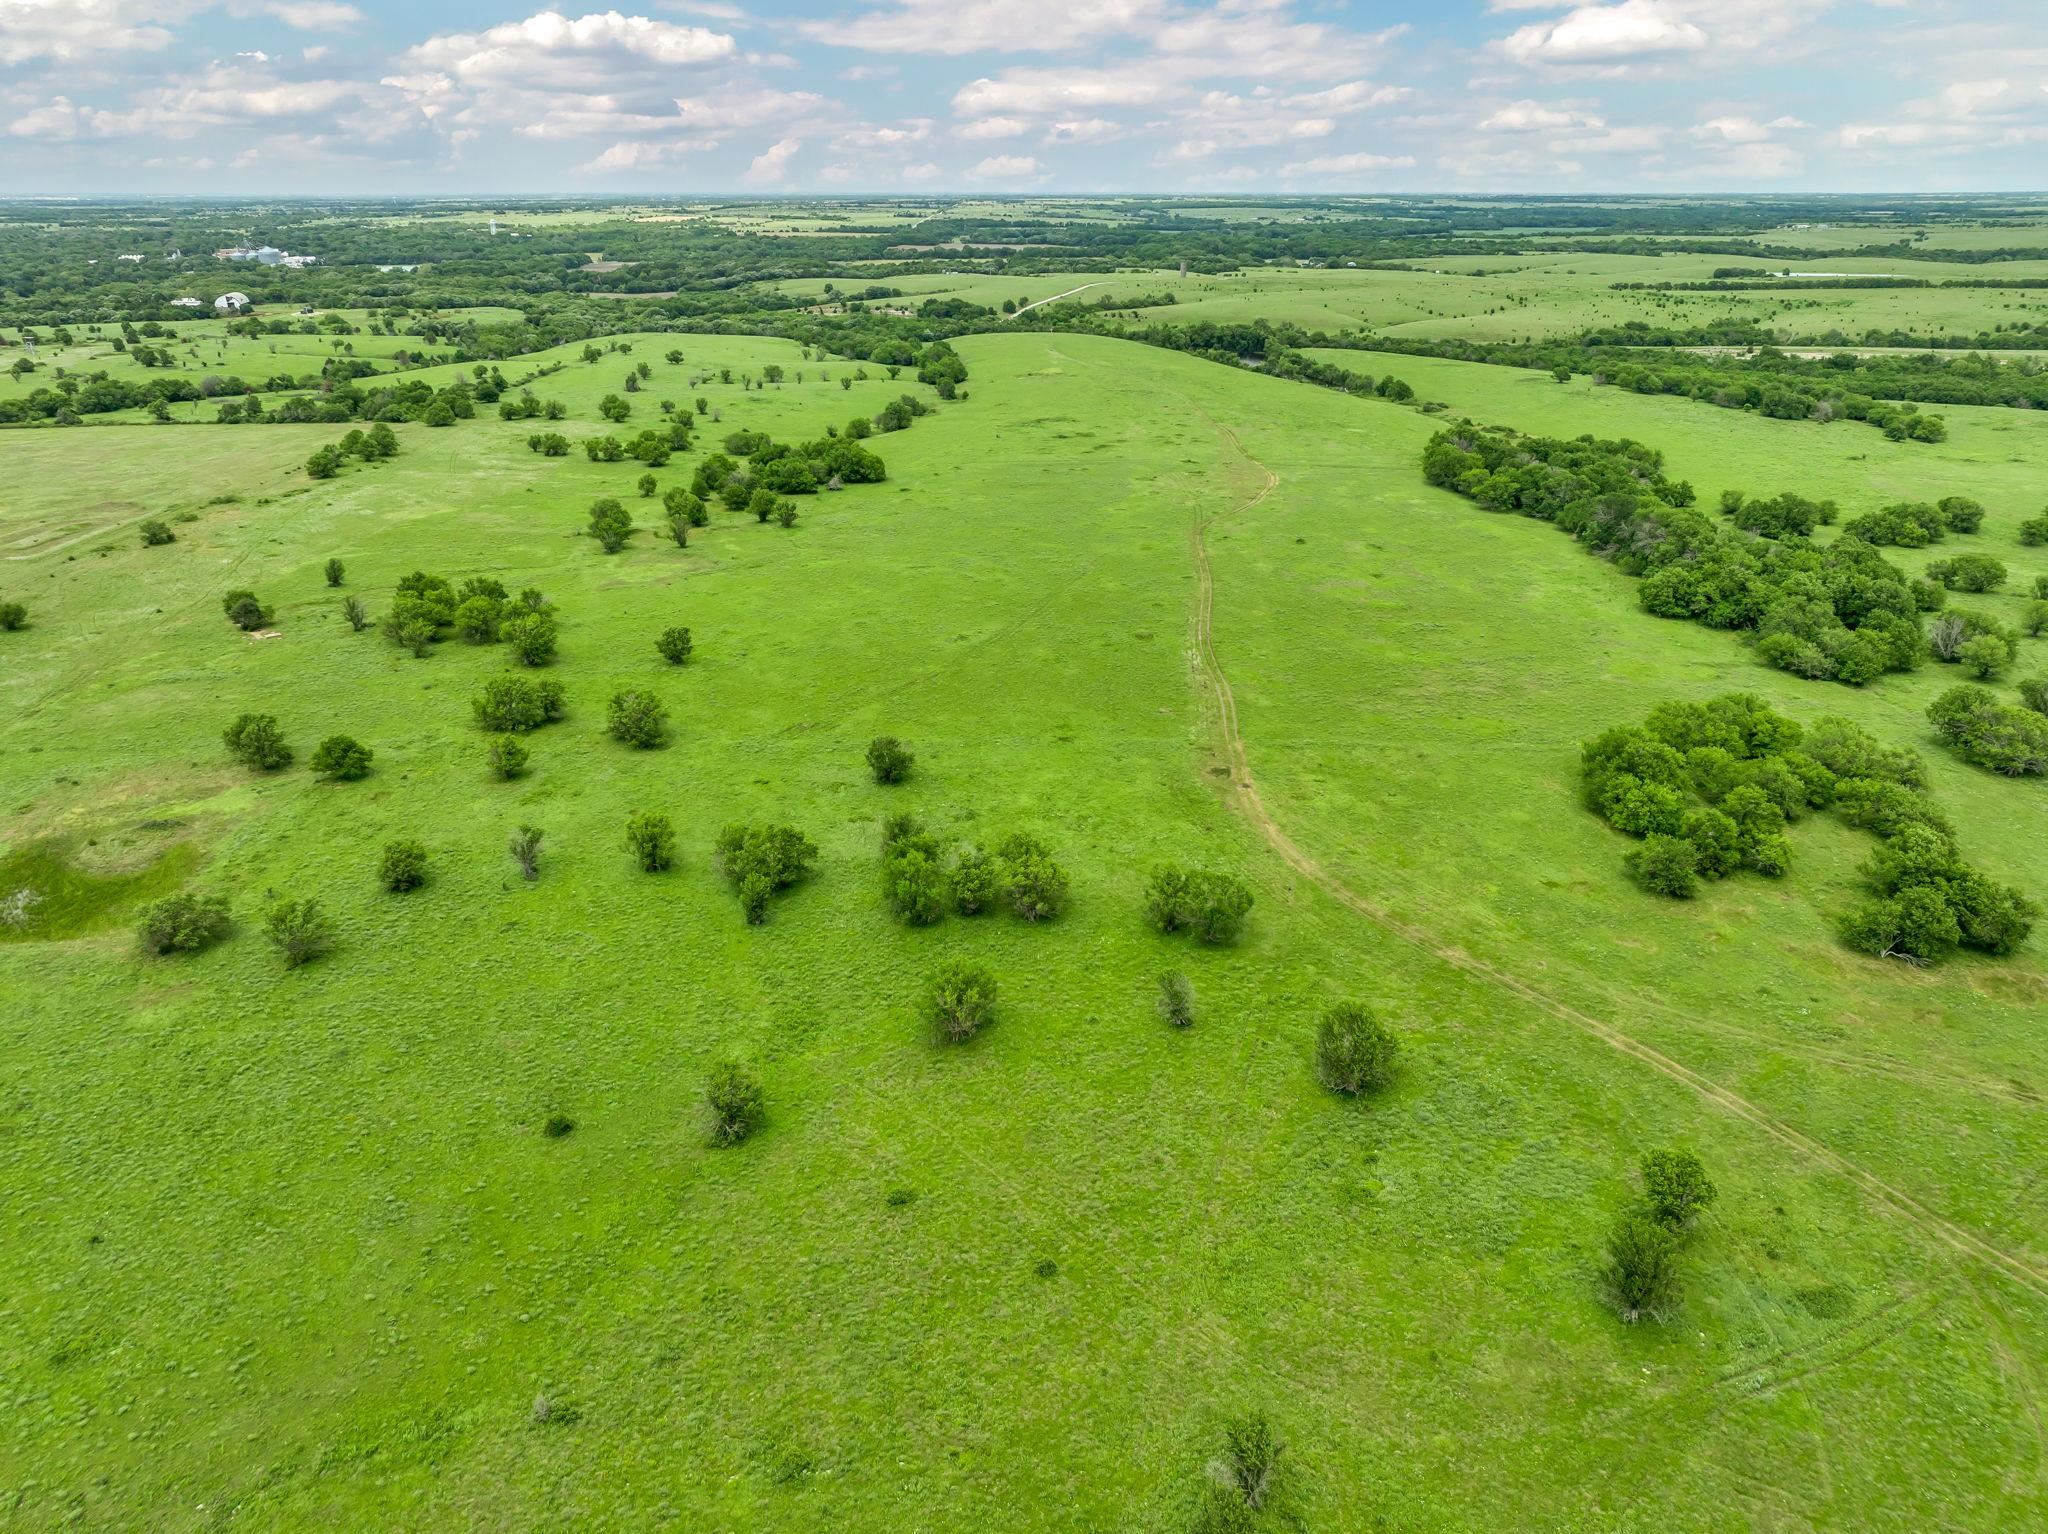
{"points": [[288, 1249]]}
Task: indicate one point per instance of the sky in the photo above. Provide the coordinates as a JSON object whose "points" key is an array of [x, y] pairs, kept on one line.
{"points": [[692, 97]]}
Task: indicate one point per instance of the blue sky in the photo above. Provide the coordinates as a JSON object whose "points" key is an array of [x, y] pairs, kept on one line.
{"points": [[1021, 96]]}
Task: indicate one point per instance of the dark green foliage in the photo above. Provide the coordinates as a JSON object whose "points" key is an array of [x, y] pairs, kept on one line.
{"points": [[636, 718], [183, 923], [357, 615], [889, 759], [334, 571], [255, 741], [1251, 1456], [1906, 525], [1960, 514], [342, 759], [1665, 865], [651, 839], [647, 486], [977, 881], [610, 524], [736, 1103], [674, 645], [2034, 619], [1176, 999], [914, 879], [1212, 906], [1355, 1051], [1642, 1265], [156, 532], [962, 999], [1676, 1187], [403, 866], [13, 617], [1968, 572], [507, 755], [1222, 1510], [477, 619], [1788, 515], [525, 850], [760, 860], [299, 930], [1034, 884], [531, 636], [557, 1125], [2034, 693], [2034, 531], [516, 704], [244, 611], [1991, 734]]}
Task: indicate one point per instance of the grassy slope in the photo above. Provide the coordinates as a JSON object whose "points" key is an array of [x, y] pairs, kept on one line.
{"points": [[291, 1248]]}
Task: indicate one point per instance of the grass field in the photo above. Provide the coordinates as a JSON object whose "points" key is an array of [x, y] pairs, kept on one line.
{"points": [[289, 1249]]}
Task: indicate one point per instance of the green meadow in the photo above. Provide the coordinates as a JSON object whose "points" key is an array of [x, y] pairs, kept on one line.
{"points": [[293, 1249]]}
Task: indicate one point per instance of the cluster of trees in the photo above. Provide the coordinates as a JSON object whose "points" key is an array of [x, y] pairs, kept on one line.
{"points": [[515, 705], [426, 608], [1915, 524], [922, 878], [378, 443], [1709, 789], [1644, 1248], [1992, 734], [779, 468], [1840, 613], [189, 922], [410, 399], [1210, 905], [760, 861], [653, 446]]}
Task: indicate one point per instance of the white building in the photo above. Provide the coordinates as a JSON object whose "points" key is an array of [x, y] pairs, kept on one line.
{"points": [[187, 303], [227, 303]]}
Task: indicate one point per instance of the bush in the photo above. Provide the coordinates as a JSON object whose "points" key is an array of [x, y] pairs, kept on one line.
{"points": [[674, 645], [357, 615], [477, 619], [610, 524], [1642, 1265], [2034, 619], [736, 1103], [1968, 572], [977, 881], [1985, 657], [531, 637], [635, 718], [1166, 897], [1961, 514], [2034, 531], [244, 611], [1991, 734], [914, 881], [1034, 883], [13, 616], [342, 759], [156, 532], [507, 755], [403, 866], [889, 759], [1251, 1454], [333, 569], [516, 704], [651, 840], [183, 923], [2034, 693], [255, 741], [963, 999], [299, 930], [1176, 999], [1677, 1187], [760, 860], [1355, 1052], [1665, 865], [1213, 906], [647, 486], [525, 850]]}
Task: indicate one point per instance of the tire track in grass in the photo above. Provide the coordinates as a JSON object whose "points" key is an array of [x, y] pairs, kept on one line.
{"points": [[1245, 798]]}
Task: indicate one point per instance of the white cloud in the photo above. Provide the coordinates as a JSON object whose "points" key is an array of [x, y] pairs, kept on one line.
{"points": [[314, 15], [1007, 167], [636, 155], [550, 48], [1334, 165], [1605, 35], [988, 26], [1535, 116], [1084, 130], [993, 127], [67, 30], [1740, 130], [771, 165]]}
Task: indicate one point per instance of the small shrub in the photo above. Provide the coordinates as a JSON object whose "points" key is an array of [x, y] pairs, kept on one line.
{"points": [[760, 860], [1642, 1265], [248, 614], [736, 1103], [507, 756], [963, 999], [1034, 883], [785, 514], [357, 615], [299, 930], [557, 1125], [1166, 897], [1251, 1454], [977, 881], [517, 704], [889, 759], [403, 866], [255, 741], [156, 532], [1213, 906], [13, 616], [1665, 865], [610, 524], [651, 839], [333, 569], [647, 486], [1177, 999], [183, 923], [1355, 1051], [342, 759], [914, 881], [2034, 693], [637, 719], [525, 850], [674, 645], [1677, 1187]]}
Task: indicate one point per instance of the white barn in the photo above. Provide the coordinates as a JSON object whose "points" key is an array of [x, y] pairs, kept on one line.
{"points": [[231, 301]]}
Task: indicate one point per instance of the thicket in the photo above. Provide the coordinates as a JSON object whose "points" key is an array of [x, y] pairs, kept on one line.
{"points": [[759, 861]]}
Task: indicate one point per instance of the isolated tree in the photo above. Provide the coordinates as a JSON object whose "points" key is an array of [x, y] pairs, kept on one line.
{"points": [[651, 839], [1676, 1186], [610, 524], [507, 755], [636, 718], [156, 532], [334, 572], [13, 616], [962, 999], [736, 1103], [403, 866], [255, 741], [1642, 1265], [1251, 1455], [183, 923], [1355, 1051], [531, 637], [889, 759], [299, 930], [647, 485], [760, 860], [357, 615], [245, 612], [525, 850], [614, 408], [340, 758], [674, 645], [1176, 999]]}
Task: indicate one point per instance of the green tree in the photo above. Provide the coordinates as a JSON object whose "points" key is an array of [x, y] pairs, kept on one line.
{"points": [[525, 850], [647, 485], [183, 923], [1665, 865], [1177, 999], [339, 758], [1677, 1187], [531, 636], [334, 569], [977, 881], [1355, 1051], [962, 999], [1035, 884], [403, 866], [651, 839], [13, 617], [156, 532], [760, 860], [889, 760], [1642, 1265], [610, 524], [255, 741], [513, 704], [507, 755], [673, 645], [299, 930], [1251, 1456], [636, 718], [736, 1103]]}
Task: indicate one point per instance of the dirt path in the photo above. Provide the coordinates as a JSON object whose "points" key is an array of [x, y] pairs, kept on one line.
{"points": [[1084, 287], [1244, 795]]}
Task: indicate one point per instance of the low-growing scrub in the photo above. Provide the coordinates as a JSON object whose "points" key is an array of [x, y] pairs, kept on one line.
{"points": [[1355, 1052], [760, 861], [1212, 906], [962, 1000], [736, 1101], [403, 866], [516, 704], [183, 923]]}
